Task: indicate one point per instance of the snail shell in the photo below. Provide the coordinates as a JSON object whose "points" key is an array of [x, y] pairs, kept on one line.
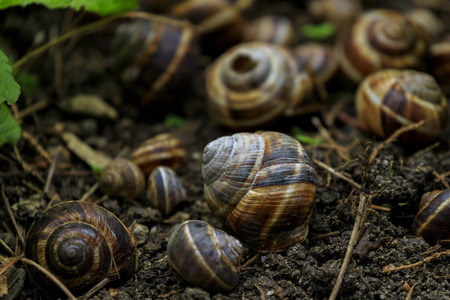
{"points": [[321, 60], [263, 185], [164, 189], [205, 256], [162, 149], [390, 99], [81, 244], [122, 178], [253, 84], [272, 29], [381, 39], [156, 55], [338, 12], [440, 54], [432, 221], [429, 22]]}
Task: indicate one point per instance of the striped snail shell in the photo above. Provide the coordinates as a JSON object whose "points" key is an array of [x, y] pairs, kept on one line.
{"points": [[263, 185], [160, 56], [429, 22], [162, 149], [381, 39], [122, 178], [205, 256], [272, 29], [390, 99], [321, 60], [432, 221], [164, 189], [81, 244], [253, 84], [338, 12]]}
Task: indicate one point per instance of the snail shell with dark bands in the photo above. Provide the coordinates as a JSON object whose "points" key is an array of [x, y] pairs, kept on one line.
{"points": [[81, 244], [381, 39], [432, 221], [272, 29], [390, 99], [253, 84], [122, 178], [263, 185], [162, 149], [164, 189], [205, 256]]}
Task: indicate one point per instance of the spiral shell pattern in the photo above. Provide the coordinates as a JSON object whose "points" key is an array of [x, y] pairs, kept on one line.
{"points": [[81, 244], [432, 221], [263, 185], [122, 178], [381, 39], [390, 99], [272, 29], [205, 256]]}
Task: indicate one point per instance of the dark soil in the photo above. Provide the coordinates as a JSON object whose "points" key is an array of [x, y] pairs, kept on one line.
{"points": [[396, 179]]}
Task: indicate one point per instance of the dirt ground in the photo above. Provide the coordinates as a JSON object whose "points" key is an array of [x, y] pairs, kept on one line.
{"points": [[396, 179]]}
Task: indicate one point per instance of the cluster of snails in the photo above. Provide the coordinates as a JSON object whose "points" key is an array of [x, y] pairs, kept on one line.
{"points": [[155, 160]]}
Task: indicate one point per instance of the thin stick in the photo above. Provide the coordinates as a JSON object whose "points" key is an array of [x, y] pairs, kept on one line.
{"points": [[89, 192], [33, 108], [2, 242], [19, 229], [250, 261], [337, 174], [325, 235], [388, 270], [51, 277], [51, 171], [409, 296], [393, 138], [360, 219], [95, 289], [431, 147], [12, 262]]}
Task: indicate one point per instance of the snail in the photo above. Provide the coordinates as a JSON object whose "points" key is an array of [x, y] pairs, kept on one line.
{"points": [[122, 178], [429, 22], [390, 98], [320, 58], [381, 39], [255, 83], [272, 29], [263, 185], [160, 56], [81, 244], [338, 12], [440, 56], [164, 189], [205, 256], [162, 149], [432, 221]]}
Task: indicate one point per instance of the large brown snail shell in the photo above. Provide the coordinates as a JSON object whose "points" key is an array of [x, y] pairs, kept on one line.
{"points": [[263, 185], [81, 244]]}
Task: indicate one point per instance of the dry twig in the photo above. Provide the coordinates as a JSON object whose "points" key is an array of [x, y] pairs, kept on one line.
{"points": [[19, 229], [388, 270], [337, 174], [409, 296]]}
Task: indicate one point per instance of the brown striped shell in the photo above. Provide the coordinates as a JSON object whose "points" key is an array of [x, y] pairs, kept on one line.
{"points": [[429, 22], [272, 29], [159, 56], [122, 178], [432, 221], [321, 60], [164, 189], [263, 185], [205, 256], [81, 244], [338, 12], [381, 39], [253, 84], [390, 99], [162, 149]]}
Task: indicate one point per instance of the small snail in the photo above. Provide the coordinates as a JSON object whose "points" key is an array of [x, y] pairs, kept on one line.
{"points": [[164, 189], [389, 99], [155, 55], [122, 178], [162, 149], [205, 256], [272, 29], [429, 22], [338, 12], [432, 221], [440, 56], [321, 60], [81, 244], [381, 39], [263, 185], [253, 84]]}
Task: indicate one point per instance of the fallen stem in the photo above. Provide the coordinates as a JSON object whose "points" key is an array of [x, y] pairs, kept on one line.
{"points": [[388, 270], [337, 174]]}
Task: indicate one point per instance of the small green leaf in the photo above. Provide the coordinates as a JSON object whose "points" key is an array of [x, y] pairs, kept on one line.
{"points": [[9, 128], [174, 121], [298, 134], [101, 7], [29, 83], [318, 31], [9, 88]]}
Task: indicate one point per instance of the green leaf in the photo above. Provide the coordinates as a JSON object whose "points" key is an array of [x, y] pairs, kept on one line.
{"points": [[174, 121], [9, 88], [298, 134], [29, 83], [9, 128], [318, 31], [101, 7]]}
